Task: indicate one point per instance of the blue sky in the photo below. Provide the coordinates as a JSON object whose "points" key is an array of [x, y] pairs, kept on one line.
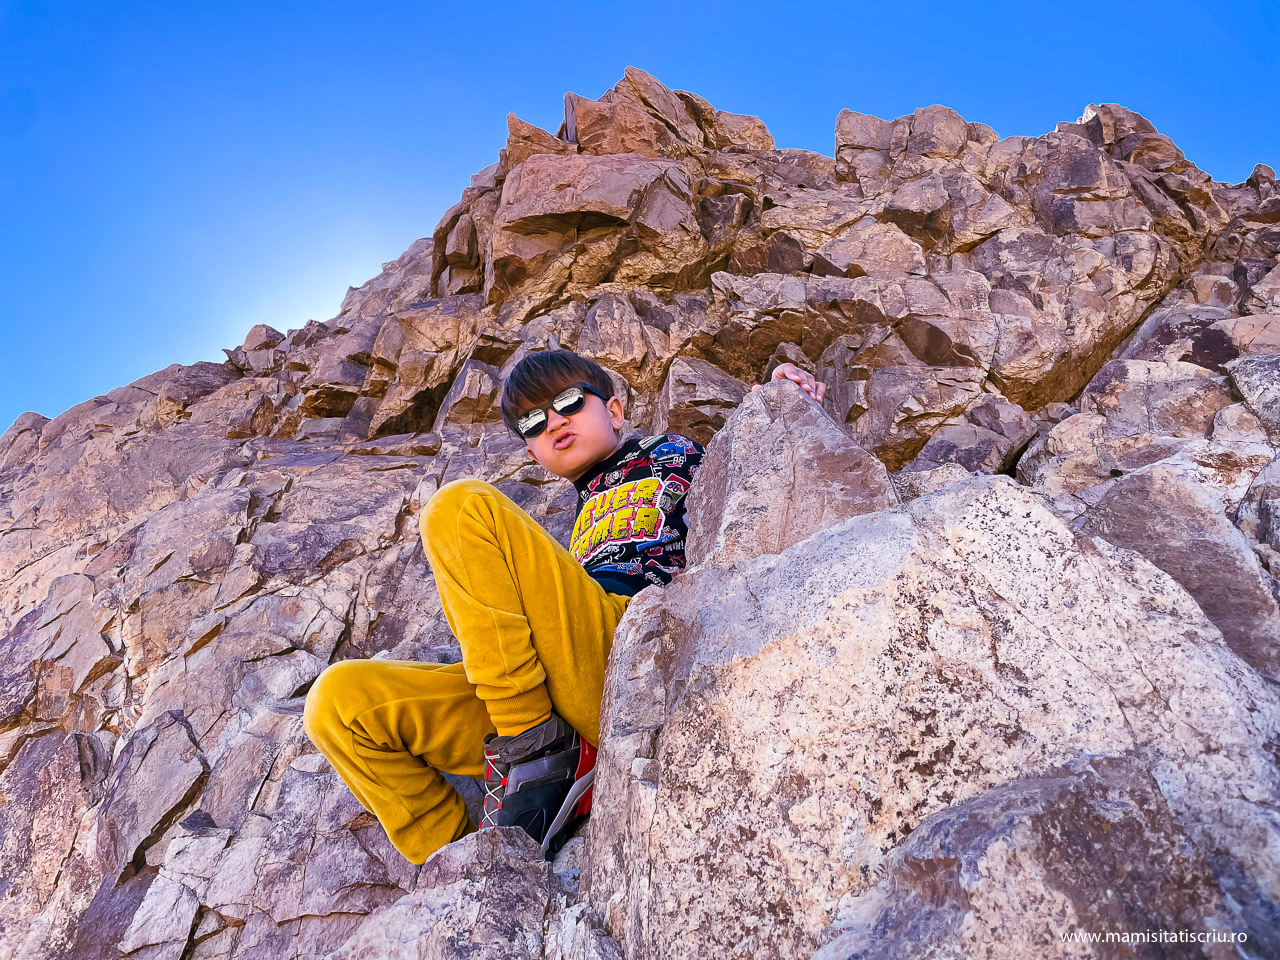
{"points": [[173, 173]]}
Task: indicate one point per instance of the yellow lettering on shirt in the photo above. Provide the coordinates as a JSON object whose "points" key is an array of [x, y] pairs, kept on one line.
{"points": [[646, 522], [621, 514]]}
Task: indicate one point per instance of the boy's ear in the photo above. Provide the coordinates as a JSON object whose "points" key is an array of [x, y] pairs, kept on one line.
{"points": [[615, 411]]}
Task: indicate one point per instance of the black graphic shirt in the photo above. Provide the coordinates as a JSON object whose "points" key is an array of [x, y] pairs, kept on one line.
{"points": [[631, 524]]}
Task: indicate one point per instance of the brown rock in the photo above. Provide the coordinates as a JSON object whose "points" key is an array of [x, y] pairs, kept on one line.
{"points": [[190, 384], [484, 895], [645, 92], [473, 397], [425, 358], [1133, 413], [696, 399], [937, 131], [987, 440], [564, 220], [21, 441], [524, 140], [401, 282], [922, 208], [779, 471], [870, 248], [1183, 332], [1255, 334], [862, 149], [601, 128], [726, 131]]}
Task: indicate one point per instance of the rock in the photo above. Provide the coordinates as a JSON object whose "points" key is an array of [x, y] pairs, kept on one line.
{"points": [[696, 399], [913, 484], [401, 282], [1264, 296], [870, 248], [608, 128], [778, 472], [20, 442], [577, 210], [639, 115], [48, 785], [261, 337], [737, 131], [1249, 335], [937, 131], [1258, 517], [484, 895], [922, 208], [524, 140], [417, 363], [1006, 867], [915, 354], [861, 131], [1133, 413], [1181, 332], [1181, 528], [189, 385], [576, 934], [774, 730], [52, 654], [1258, 380], [862, 149], [473, 397], [988, 440]]}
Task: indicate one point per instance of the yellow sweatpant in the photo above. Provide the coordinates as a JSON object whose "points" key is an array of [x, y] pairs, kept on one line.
{"points": [[535, 631]]}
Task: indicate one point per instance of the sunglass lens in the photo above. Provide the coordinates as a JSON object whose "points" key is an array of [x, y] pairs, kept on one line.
{"points": [[532, 423], [570, 401]]}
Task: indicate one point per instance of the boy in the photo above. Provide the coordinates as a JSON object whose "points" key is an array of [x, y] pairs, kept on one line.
{"points": [[535, 623]]}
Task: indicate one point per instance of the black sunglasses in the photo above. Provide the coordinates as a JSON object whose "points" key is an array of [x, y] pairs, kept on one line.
{"points": [[567, 402]]}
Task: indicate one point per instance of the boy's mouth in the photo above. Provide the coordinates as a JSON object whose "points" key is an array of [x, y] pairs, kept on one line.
{"points": [[563, 441]]}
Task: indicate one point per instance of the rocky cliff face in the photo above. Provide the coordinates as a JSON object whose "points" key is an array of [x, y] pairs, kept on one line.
{"points": [[983, 653]]}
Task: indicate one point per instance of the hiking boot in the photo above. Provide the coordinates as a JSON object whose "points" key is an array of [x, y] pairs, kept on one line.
{"points": [[539, 780]]}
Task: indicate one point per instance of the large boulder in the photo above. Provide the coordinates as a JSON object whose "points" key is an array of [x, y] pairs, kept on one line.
{"points": [[774, 730]]}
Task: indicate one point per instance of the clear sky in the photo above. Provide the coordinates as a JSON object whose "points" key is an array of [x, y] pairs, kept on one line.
{"points": [[172, 173]]}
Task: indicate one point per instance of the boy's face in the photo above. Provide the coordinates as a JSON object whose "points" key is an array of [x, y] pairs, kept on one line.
{"points": [[567, 446]]}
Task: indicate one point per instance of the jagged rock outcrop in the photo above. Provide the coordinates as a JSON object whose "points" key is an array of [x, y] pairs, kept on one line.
{"points": [[890, 679]]}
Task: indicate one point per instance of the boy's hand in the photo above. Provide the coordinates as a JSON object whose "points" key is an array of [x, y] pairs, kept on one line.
{"points": [[790, 371]]}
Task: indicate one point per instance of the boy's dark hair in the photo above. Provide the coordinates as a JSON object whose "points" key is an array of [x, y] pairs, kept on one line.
{"points": [[540, 376]]}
